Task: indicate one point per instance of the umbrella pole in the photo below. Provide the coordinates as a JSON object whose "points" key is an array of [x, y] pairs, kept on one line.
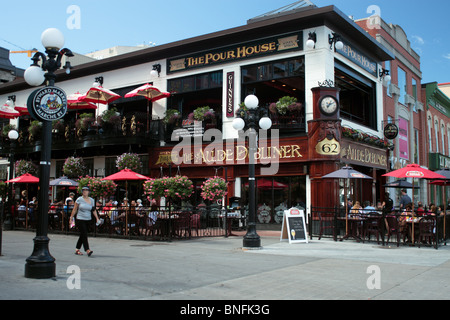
{"points": [[346, 208], [148, 113]]}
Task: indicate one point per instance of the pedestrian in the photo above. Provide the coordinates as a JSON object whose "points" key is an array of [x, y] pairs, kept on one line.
{"points": [[83, 207]]}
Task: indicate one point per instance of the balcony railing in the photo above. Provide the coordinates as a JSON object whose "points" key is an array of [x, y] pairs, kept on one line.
{"points": [[290, 123], [70, 136]]}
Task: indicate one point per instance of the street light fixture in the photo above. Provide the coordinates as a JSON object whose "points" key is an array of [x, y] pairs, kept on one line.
{"points": [[252, 239], [41, 265]]}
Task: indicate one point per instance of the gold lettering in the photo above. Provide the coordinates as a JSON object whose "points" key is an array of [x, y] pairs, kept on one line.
{"points": [[277, 151], [231, 55], [229, 155], [296, 151], [208, 57], [241, 52], [241, 153]]}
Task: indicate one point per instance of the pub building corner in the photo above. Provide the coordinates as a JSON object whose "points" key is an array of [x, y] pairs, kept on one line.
{"points": [[271, 57]]}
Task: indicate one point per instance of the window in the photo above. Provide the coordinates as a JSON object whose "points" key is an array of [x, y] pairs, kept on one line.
{"points": [[110, 166], [402, 85], [387, 66], [430, 136], [190, 93], [416, 146], [196, 83], [276, 194], [403, 138], [436, 134], [448, 140], [274, 80], [414, 93], [443, 138], [357, 96]]}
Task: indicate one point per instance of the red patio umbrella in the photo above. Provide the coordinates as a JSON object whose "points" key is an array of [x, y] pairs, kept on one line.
{"points": [[26, 178], [126, 175], [443, 182], [414, 171], [75, 102], [7, 112], [150, 93], [100, 95]]}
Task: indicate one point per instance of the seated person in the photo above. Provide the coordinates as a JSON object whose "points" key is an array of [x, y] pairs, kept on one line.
{"points": [[369, 208], [420, 209], [356, 209]]}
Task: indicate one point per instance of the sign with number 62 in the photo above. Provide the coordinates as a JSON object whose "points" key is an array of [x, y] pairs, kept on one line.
{"points": [[328, 147]]}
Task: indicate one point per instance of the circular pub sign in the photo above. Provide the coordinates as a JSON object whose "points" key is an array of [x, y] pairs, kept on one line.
{"points": [[391, 131], [47, 104]]}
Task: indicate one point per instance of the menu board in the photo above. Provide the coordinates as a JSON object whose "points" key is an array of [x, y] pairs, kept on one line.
{"points": [[294, 226]]}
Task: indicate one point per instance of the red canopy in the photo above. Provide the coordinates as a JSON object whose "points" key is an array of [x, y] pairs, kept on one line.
{"points": [[26, 178], [126, 174]]}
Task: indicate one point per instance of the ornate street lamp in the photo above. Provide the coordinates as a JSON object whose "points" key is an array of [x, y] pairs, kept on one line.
{"points": [[45, 104], [252, 239]]}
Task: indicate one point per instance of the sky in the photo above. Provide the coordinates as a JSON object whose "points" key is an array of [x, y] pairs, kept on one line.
{"points": [[99, 24]]}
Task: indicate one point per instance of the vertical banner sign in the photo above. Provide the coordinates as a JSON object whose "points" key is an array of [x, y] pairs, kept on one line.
{"points": [[403, 139], [230, 94]]}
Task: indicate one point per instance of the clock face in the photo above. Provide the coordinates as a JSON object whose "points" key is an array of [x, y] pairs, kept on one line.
{"points": [[328, 105]]}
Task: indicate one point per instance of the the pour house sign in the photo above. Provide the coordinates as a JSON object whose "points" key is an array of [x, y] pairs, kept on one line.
{"points": [[255, 49]]}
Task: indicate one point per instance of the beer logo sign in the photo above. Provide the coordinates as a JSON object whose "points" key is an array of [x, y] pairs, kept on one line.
{"points": [[414, 174], [48, 104]]}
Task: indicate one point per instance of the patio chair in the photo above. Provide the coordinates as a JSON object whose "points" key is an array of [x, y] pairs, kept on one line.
{"points": [[427, 230], [326, 222], [373, 225], [393, 228]]}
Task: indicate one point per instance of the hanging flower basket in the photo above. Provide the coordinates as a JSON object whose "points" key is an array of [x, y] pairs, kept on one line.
{"points": [[204, 113], [74, 167], [214, 189], [285, 105], [99, 188], [129, 161], [172, 117], [179, 187], [24, 166]]}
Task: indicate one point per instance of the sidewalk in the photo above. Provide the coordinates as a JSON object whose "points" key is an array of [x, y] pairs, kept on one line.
{"points": [[218, 269]]}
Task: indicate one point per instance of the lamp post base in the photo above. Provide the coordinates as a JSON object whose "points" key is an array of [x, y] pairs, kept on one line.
{"points": [[251, 241], [40, 265]]}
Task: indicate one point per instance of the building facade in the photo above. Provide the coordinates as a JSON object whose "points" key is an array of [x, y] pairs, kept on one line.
{"points": [[437, 105], [402, 100], [209, 77]]}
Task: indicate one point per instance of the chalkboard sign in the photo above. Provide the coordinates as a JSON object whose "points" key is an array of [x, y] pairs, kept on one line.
{"points": [[294, 226]]}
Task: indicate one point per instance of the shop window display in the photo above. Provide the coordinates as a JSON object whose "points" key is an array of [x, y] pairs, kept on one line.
{"points": [[274, 195]]}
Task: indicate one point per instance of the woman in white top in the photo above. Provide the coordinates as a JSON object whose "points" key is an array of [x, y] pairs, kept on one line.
{"points": [[83, 207]]}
